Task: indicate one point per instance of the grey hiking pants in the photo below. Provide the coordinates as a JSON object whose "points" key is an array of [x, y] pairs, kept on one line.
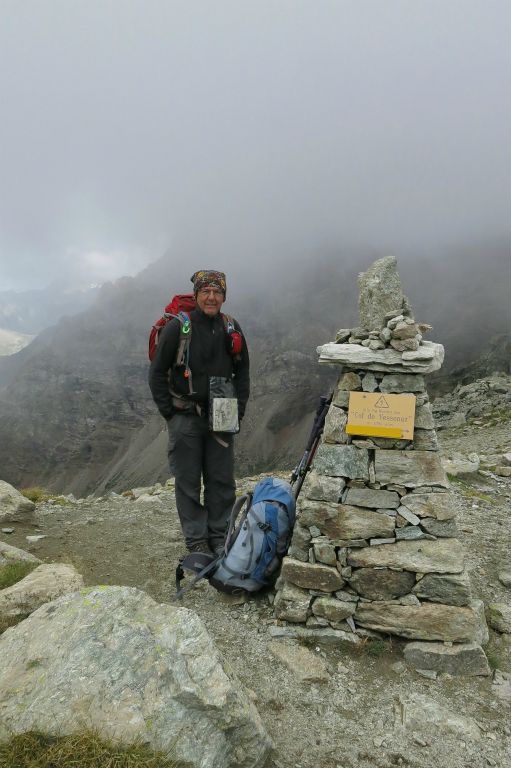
{"points": [[193, 452]]}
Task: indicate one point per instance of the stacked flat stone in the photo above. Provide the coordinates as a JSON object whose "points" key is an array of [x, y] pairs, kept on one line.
{"points": [[375, 547]]}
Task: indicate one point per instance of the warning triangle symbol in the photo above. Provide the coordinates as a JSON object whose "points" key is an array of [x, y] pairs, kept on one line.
{"points": [[381, 403]]}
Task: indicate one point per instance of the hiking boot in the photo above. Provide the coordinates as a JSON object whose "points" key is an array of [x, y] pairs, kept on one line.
{"points": [[200, 547], [218, 549]]}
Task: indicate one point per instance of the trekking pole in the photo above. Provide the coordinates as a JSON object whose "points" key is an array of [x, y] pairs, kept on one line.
{"points": [[303, 466]]}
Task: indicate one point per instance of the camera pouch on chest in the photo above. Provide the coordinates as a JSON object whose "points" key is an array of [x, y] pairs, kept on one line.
{"points": [[223, 405]]}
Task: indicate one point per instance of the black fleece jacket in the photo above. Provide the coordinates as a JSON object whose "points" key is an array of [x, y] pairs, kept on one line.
{"points": [[208, 356]]}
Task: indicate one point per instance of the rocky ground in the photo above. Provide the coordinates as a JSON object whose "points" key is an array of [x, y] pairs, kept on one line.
{"points": [[327, 707]]}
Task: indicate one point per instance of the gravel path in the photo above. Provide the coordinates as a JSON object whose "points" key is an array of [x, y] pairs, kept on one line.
{"points": [[352, 719]]}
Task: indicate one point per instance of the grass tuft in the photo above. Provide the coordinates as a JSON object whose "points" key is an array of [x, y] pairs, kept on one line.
{"points": [[39, 495], [14, 572], [35, 494], [468, 491], [83, 750], [379, 648], [10, 621]]}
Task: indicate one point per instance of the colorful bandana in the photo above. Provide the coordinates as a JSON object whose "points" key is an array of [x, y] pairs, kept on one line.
{"points": [[208, 277]]}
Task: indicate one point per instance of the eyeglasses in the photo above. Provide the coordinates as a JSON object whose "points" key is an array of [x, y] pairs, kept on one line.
{"points": [[215, 291]]}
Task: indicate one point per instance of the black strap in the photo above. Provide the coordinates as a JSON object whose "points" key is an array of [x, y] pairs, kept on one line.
{"points": [[209, 567]]}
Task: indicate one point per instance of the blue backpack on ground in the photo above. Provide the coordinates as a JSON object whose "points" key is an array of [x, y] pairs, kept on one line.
{"points": [[258, 537], [260, 529]]}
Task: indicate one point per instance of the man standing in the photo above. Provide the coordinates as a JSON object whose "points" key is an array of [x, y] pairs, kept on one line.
{"points": [[181, 391]]}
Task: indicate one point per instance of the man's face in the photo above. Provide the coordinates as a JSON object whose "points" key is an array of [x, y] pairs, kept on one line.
{"points": [[210, 300]]}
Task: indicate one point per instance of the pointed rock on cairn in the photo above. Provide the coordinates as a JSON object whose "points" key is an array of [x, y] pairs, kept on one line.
{"points": [[375, 547]]}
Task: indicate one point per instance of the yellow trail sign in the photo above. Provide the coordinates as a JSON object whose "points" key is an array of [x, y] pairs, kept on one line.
{"points": [[378, 415]]}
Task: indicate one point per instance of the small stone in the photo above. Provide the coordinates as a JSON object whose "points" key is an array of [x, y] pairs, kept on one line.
{"points": [[325, 553], [315, 622], [342, 335], [404, 345], [499, 617], [505, 578], [360, 443], [332, 609], [381, 584], [424, 417], [440, 528], [437, 505], [366, 497], [369, 382], [35, 538], [412, 533], [308, 576], [410, 517], [342, 461], [397, 488], [429, 673], [349, 381], [378, 542], [403, 330], [322, 488], [346, 597], [409, 600], [7, 530], [341, 398], [334, 430], [503, 471], [399, 383], [292, 603], [425, 440], [307, 666]]}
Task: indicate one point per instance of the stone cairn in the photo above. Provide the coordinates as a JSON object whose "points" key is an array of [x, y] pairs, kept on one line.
{"points": [[375, 549]]}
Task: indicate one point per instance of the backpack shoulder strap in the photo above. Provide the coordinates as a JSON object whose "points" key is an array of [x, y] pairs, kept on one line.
{"points": [[235, 336], [229, 322], [183, 349], [185, 336]]}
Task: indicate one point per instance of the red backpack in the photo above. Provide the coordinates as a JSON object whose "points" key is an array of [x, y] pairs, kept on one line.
{"points": [[182, 302], [180, 307]]}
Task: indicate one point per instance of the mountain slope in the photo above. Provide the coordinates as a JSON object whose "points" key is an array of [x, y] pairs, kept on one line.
{"points": [[76, 413]]}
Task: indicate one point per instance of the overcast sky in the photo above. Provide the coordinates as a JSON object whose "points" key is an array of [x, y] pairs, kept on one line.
{"points": [[248, 128]]}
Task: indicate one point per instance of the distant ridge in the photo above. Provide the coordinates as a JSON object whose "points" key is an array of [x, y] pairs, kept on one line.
{"points": [[76, 413]]}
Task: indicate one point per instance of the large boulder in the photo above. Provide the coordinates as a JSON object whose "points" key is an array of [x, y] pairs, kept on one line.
{"points": [[9, 554], [13, 503], [45, 583], [112, 659]]}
